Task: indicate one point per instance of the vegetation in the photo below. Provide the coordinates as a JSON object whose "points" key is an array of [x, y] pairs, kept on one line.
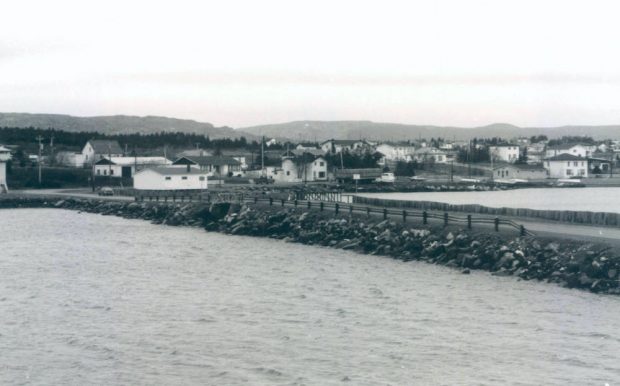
{"points": [[353, 160]]}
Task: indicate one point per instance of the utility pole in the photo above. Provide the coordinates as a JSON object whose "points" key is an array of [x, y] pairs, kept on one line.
{"points": [[39, 138], [341, 160], [52, 150], [262, 155], [451, 171], [109, 161]]}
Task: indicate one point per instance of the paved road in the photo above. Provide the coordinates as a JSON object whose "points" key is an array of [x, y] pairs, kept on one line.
{"points": [[76, 193]]}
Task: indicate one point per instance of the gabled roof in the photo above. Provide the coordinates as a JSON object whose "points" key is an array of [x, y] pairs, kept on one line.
{"points": [[214, 160], [301, 152], [4, 149], [104, 146], [172, 171], [134, 161], [565, 157], [524, 167]]}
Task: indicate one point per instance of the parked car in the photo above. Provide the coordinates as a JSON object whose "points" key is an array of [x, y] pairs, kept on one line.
{"points": [[106, 191], [386, 178]]}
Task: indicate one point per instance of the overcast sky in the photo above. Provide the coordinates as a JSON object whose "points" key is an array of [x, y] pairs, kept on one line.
{"points": [[242, 63]]}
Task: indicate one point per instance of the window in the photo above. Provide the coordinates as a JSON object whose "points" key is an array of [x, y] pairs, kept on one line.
{"points": [[202, 178], [98, 172], [321, 174], [111, 171], [568, 163], [168, 178], [569, 172], [582, 172], [288, 172], [105, 172], [184, 177], [321, 163], [581, 163], [575, 163]]}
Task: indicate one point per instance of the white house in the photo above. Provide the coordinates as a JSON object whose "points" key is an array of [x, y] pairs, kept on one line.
{"points": [[396, 151], [579, 150], [215, 165], [566, 166], [5, 156], [298, 169], [506, 153], [170, 178], [431, 154], [95, 149], [127, 166], [350, 145]]}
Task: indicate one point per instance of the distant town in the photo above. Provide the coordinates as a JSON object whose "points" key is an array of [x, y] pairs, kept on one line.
{"points": [[35, 158]]}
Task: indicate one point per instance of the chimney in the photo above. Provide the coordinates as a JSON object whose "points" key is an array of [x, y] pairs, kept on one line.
{"points": [[188, 170]]}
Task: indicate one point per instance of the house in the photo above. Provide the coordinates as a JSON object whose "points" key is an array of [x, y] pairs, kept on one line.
{"points": [[170, 178], [396, 151], [577, 149], [243, 156], [566, 166], [5, 156], [271, 142], [535, 153], [431, 154], [305, 168], [505, 153], [95, 149], [127, 166], [520, 172], [215, 165], [70, 158], [348, 145]]}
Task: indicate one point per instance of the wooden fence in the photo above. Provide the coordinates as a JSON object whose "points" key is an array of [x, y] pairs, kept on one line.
{"points": [[574, 217], [424, 216]]}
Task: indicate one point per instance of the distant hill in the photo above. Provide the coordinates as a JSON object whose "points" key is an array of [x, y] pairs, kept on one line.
{"points": [[115, 124], [323, 130]]}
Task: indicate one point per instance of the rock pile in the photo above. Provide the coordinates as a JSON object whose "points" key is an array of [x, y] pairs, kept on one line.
{"points": [[574, 265]]}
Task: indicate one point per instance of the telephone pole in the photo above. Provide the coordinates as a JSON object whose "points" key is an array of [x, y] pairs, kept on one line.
{"points": [[39, 138]]}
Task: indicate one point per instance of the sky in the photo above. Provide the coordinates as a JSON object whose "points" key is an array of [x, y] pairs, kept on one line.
{"points": [[243, 63]]}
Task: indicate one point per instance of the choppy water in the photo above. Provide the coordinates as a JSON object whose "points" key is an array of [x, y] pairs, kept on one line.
{"points": [[88, 299], [579, 199]]}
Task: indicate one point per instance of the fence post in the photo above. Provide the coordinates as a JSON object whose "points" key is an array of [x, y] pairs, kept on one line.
{"points": [[270, 201], [337, 208], [424, 218], [309, 204], [469, 221], [256, 199], [282, 202], [385, 213], [322, 205], [404, 216], [445, 219], [496, 224], [522, 230], [368, 211], [296, 203], [350, 209]]}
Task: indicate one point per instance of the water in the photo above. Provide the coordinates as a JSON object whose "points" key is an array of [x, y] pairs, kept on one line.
{"points": [[579, 199], [88, 299]]}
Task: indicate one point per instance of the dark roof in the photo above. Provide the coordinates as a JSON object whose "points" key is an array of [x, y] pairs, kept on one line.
{"points": [[565, 157], [344, 141], [104, 146], [215, 160], [170, 170], [301, 152]]}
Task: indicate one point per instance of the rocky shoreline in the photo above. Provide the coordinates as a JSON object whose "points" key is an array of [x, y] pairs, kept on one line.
{"points": [[586, 266]]}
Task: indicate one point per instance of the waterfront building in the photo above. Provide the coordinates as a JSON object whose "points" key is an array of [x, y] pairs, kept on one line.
{"points": [[126, 166], [567, 166], [431, 154], [302, 168], [520, 172], [170, 178], [576, 149], [396, 152], [5, 156]]}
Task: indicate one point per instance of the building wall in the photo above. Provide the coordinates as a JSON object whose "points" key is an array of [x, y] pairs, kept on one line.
{"points": [[150, 180], [2, 175], [505, 153], [516, 173]]}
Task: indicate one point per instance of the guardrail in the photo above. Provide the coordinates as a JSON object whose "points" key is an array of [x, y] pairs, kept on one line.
{"points": [[425, 216]]}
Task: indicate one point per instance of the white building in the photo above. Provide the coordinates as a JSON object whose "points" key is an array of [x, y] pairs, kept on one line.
{"points": [[506, 153], [520, 172], [170, 178], [349, 145], [215, 165], [579, 150], [295, 169], [396, 152], [71, 159], [127, 166], [566, 166], [431, 154], [95, 149], [5, 156]]}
